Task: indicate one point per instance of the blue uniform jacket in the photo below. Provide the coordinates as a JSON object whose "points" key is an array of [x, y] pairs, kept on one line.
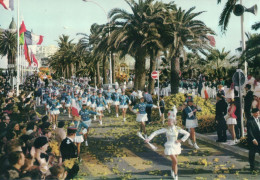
{"points": [[68, 99], [100, 101], [189, 110], [79, 127], [54, 103], [115, 96], [142, 106], [124, 99], [93, 99], [84, 113]]}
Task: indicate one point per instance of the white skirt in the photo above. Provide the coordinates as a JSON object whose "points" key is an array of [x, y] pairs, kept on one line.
{"points": [[100, 108], [123, 106], [191, 123], [116, 103], [44, 102], [62, 101], [109, 101], [88, 123], [231, 121], [172, 148], [79, 139], [93, 105], [68, 105], [55, 112], [141, 118]]}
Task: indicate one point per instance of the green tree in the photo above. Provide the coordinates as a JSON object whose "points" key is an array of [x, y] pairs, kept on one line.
{"points": [[8, 45], [182, 31], [131, 33], [226, 13]]}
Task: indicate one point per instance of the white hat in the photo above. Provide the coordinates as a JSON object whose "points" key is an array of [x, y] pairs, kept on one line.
{"points": [[173, 114]]}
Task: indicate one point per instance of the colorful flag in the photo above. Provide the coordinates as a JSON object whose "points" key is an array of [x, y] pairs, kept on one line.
{"points": [[35, 62], [7, 4], [36, 39], [33, 39], [26, 53], [22, 28], [22, 39]]}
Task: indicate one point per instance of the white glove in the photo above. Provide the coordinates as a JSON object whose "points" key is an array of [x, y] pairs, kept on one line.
{"points": [[190, 114]]}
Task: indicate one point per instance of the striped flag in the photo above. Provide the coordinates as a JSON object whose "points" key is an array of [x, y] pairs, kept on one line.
{"points": [[33, 39], [7, 4], [22, 30], [26, 53]]}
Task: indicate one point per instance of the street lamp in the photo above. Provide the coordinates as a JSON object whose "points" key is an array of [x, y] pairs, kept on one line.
{"points": [[239, 11], [108, 20]]}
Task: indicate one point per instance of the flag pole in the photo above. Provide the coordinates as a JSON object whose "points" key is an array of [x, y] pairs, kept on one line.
{"points": [[18, 50]]}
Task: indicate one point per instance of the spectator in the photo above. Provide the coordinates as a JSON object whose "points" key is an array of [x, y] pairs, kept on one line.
{"points": [[248, 99], [253, 137]]}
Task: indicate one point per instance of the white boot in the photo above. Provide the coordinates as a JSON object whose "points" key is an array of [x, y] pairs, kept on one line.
{"points": [[95, 117], [100, 122], [176, 177], [190, 142], [86, 143], [116, 115], [172, 174], [109, 111], [196, 146], [69, 116], [124, 119]]}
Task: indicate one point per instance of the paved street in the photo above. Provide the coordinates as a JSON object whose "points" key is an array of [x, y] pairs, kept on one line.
{"points": [[115, 152]]}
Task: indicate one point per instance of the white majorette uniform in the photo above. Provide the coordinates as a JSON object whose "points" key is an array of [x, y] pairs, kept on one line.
{"points": [[124, 101], [54, 106], [115, 97], [93, 101], [101, 103], [108, 97], [142, 116], [68, 101], [171, 147]]}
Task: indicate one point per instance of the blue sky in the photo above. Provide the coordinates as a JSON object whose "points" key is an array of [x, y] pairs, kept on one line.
{"points": [[49, 17]]}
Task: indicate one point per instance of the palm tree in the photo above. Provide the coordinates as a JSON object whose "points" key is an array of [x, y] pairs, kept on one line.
{"points": [[219, 58], [252, 51], [182, 32], [226, 13], [130, 32], [8, 45], [256, 26]]}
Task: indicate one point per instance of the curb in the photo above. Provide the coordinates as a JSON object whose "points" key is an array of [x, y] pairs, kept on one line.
{"points": [[234, 149]]}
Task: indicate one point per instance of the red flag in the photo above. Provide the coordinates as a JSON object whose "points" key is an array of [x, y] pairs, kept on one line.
{"points": [[22, 28], [26, 54], [35, 60], [7, 4], [212, 41]]}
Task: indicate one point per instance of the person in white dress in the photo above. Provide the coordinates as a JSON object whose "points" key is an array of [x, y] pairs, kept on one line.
{"points": [[173, 144]]}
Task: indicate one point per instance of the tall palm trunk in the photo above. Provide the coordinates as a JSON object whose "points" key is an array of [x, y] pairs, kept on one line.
{"points": [[140, 74], [113, 67], [98, 74], [105, 78], [175, 69], [152, 68]]}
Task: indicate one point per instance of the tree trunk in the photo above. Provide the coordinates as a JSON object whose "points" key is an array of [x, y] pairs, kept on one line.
{"points": [[98, 75], [175, 69], [113, 67], [152, 68], [105, 78], [140, 74]]}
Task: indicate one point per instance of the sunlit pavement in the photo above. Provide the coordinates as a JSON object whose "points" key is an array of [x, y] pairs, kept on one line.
{"points": [[115, 152]]}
